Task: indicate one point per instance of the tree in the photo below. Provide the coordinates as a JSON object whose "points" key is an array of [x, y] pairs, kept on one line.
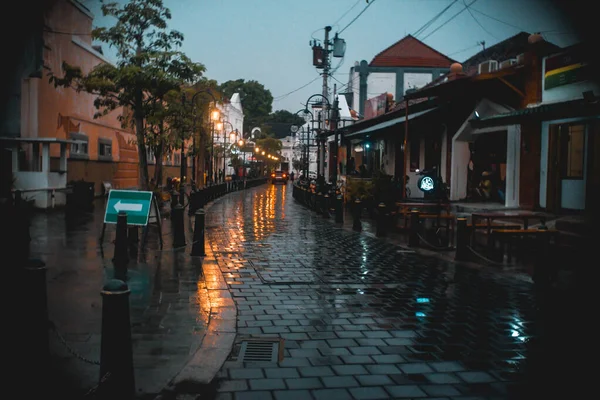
{"points": [[284, 116], [148, 67], [257, 101], [271, 146]]}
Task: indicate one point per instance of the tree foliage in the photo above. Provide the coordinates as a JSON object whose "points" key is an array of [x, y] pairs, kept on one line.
{"points": [[148, 70], [284, 116], [257, 101]]}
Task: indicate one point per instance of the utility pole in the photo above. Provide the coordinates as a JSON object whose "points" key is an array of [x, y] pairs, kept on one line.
{"points": [[325, 103], [334, 119]]}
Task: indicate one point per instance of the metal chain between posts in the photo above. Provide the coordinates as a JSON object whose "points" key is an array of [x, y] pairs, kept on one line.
{"points": [[70, 349], [94, 390]]}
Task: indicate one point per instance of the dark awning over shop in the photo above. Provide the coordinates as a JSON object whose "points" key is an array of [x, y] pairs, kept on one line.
{"points": [[387, 124], [544, 112]]}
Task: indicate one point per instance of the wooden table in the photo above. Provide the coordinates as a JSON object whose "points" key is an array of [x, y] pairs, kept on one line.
{"points": [[405, 207], [489, 217]]}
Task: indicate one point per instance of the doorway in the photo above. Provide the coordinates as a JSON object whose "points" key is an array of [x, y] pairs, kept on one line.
{"points": [[567, 170]]}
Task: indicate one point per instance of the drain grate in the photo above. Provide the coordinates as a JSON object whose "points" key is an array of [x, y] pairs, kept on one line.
{"points": [[259, 350]]}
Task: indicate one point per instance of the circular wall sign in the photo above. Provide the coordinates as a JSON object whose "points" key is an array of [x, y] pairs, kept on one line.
{"points": [[426, 184]]}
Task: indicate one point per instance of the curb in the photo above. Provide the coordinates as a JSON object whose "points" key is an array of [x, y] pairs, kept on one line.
{"points": [[220, 335]]}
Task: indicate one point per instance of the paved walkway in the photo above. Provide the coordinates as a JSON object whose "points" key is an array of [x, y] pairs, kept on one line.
{"points": [[170, 304], [356, 317]]}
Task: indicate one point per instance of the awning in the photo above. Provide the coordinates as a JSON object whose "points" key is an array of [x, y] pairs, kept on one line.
{"points": [[388, 124], [543, 112]]}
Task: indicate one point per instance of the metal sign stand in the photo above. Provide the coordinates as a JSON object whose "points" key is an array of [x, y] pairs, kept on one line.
{"points": [[153, 219]]}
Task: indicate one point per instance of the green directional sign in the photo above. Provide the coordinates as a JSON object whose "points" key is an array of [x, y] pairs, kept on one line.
{"points": [[135, 204]]}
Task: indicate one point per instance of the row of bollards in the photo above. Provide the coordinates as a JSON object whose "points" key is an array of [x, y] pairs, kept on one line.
{"points": [[322, 204], [199, 198], [116, 375]]}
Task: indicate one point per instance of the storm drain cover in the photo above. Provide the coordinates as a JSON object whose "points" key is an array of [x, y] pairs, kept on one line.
{"points": [[259, 350]]}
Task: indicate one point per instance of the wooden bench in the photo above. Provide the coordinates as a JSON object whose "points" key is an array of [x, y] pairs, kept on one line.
{"points": [[508, 236]]}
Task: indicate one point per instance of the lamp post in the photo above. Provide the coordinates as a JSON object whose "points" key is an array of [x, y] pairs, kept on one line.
{"points": [[225, 144], [209, 92], [182, 157], [306, 150], [323, 118], [241, 143]]}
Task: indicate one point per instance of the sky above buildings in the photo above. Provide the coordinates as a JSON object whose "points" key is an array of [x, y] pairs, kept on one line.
{"points": [[269, 40]]}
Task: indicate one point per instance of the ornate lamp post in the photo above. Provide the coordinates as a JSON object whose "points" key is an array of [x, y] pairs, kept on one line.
{"points": [[321, 135], [308, 116], [233, 136]]}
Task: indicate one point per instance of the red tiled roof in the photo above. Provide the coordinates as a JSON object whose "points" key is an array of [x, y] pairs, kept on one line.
{"points": [[411, 52]]}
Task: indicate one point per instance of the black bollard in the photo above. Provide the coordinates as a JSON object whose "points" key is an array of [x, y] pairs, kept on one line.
{"points": [[34, 310], [182, 194], [174, 199], [198, 249], [381, 220], [177, 226], [116, 352], [339, 209], [319, 203], [356, 224], [325, 206], [462, 237], [413, 238], [133, 238], [121, 257]]}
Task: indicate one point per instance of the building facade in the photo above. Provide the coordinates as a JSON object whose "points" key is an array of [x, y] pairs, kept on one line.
{"points": [[406, 65]]}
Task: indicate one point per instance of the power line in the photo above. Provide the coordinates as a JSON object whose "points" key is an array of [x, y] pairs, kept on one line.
{"points": [[448, 20], [498, 20], [346, 13], [359, 14], [432, 20], [476, 20], [295, 90], [463, 50]]}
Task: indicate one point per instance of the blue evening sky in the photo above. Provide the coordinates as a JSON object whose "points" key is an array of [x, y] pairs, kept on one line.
{"points": [[268, 40]]}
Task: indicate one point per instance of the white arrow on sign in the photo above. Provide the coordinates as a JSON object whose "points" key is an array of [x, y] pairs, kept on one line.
{"points": [[127, 206]]}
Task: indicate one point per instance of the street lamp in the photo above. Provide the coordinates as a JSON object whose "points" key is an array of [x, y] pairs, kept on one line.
{"points": [[209, 92], [323, 117], [240, 146], [306, 151], [225, 143]]}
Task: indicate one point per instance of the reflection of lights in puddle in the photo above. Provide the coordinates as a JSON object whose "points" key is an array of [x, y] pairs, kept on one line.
{"points": [[420, 314], [422, 300]]}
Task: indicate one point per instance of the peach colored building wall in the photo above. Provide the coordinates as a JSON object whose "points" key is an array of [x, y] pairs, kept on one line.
{"points": [[60, 112]]}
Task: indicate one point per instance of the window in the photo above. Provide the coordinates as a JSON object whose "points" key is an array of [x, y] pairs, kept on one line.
{"points": [[105, 149], [168, 159], [575, 145], [80, 148], [415, 154], [176, 159]]}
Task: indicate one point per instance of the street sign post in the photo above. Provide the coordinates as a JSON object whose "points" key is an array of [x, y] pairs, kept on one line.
{"points": [[135, 203]]}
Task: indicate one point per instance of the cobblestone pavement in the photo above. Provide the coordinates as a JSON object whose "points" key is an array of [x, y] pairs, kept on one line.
{"points": [[169, 302], [361, 318]]}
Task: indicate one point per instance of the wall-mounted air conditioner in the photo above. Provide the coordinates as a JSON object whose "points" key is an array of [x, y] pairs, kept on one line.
{"points": [[521, 58], [508, 63], [488, 66]]}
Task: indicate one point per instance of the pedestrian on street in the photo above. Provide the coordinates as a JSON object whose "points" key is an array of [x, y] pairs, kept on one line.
{"points": [[292, 176]]}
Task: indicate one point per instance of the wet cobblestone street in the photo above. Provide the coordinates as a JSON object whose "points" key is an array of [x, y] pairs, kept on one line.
{"points": [[360, 318]]}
